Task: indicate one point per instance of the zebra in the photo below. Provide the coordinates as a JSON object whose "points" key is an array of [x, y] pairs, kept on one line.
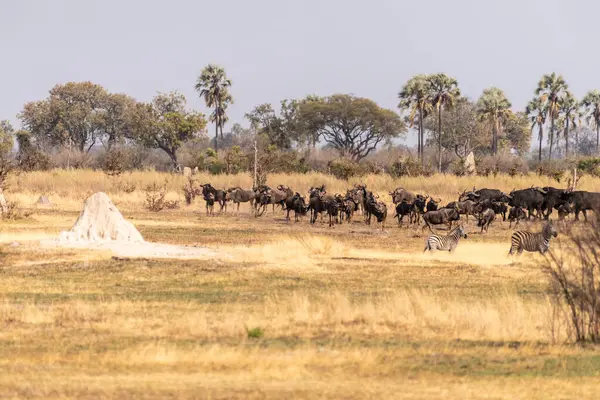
{"points": [[539, 241], [448, 242]]}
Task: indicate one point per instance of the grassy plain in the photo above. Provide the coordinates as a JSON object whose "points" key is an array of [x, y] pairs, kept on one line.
{"points": [[289, 311]]}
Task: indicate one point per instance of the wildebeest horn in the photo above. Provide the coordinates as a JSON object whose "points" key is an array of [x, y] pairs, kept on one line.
{"points": [[391, 193]]}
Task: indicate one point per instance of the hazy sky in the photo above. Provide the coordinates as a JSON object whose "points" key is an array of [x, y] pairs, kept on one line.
{"points": [[276, 49]]}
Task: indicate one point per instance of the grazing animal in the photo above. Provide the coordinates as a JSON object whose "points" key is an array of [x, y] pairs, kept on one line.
{"points": [[553, 199], [484, 194], [432, 205], [529, 241], [485, 219], [299, 206], [376, 208], [220, 196], [584, 201], [446, 243], [418, 208], [210, 204], [499, 208], [564, 210], [515, 215], [403, 209], [530, 199], [445, 216], [238, 195], [465, 208], [400, 194], [288, 202]]}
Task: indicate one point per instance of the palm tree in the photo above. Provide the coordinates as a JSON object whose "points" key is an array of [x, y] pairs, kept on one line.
{"points": [[591, 104], [414, 97], [552, 88], [569, 112], [537, 110], [443, 90], [493, 106], [212, 85]]}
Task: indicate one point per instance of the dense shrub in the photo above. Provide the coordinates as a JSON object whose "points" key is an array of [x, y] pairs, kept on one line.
{"points": [[502, 163], [409, 167], [155, 196], [589, 166], [344, 168]]}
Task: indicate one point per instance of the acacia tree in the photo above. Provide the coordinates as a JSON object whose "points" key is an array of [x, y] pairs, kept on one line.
{"points": [[551, 89], [569, 112], [353, 126], [443, 90], [591, 104], [537, 110], [166, 124], [493, 107], [213, 86], [116, 109], [414, 97]]}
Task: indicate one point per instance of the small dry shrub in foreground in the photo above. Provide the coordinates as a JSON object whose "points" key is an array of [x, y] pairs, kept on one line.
{"points": [[574, 273], [155, 196], [13, 212], [190, 190]]}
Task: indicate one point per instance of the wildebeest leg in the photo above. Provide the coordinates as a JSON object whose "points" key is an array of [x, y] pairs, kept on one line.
{"points": [[288, 214], [584, 215]]}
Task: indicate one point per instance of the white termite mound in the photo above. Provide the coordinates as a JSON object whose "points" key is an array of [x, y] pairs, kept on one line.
{"points": [[100, 222]]}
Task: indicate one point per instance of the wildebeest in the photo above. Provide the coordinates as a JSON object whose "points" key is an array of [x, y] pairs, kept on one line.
{"points": [[529, 241], [238, 195], [400, 194], [417, 208], [444, 216], [318, 202], [403, 209], [288, 201], [220, 196], [466, 207], [515, 215], [432, 204], [299, 206], [210, 203], [376, 208], [564, 210], [530, 199], [584, 201], [485, 219], [499, 208], [448, 242]]}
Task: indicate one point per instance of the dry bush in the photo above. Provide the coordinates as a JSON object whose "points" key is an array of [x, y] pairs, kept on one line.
{"points": [[155, 196], [113, 162], [191, 190], [13, 212], [502, 163], [574, 274], [171, 204]]}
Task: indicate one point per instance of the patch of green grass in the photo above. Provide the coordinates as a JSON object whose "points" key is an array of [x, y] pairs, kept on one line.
{"points": [[255, 333]]}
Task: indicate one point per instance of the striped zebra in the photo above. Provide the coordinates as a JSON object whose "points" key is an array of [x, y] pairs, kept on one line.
{"points": [[448, 242], [539, 241]]}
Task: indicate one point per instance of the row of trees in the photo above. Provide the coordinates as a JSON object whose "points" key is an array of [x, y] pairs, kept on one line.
{"points": [[554, 102]]}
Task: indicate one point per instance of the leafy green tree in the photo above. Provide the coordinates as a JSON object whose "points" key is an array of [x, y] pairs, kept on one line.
{"points": [[353, 126], [537, 110], [116, 109], [166, 124], [570, 113], [494, 107], [265, 121], [443, 90], [6, 138], [518, 131], [414, 98], [213, 86], [551, 89], [591, 104]]}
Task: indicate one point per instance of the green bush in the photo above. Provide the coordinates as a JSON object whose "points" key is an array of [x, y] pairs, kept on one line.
{"points": [[255, 333], [344, 168], [589, 166]]}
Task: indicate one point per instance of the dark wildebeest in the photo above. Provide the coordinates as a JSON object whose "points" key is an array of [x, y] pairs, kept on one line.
{"points": [[238, 195], [484, 194], [400, 194], [584, 201], [299, 206], [289, 198], [318, 202], [485, 219], [499, 208], [432, 205], [444, 216], [553, 198], [361, 191], [530, 199], [210, 203], [464, 207], [402, 209], [418, 208], [376, 208], [515, 215], [220, 196], [564, 210], [350, 206]]}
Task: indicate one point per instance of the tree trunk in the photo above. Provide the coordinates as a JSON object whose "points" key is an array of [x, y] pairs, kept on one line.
{"points": [[597, 137], [495, 138], [567, 139], [440, 139], [551, 136], [541, 133], [576, 141], [217, 128], [420, 133]]}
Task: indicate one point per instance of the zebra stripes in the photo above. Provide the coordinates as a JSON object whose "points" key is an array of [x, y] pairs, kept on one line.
{"points": [[530, 241], [448, 242]]}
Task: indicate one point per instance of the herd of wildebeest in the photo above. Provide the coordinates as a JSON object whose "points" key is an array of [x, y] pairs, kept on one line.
{"points": [[482, 204]]}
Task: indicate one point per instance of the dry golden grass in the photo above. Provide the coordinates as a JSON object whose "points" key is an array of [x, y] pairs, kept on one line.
{"points": [[348, 312]]}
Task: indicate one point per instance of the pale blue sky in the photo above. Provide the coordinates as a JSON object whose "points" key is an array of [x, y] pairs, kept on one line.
{"points": [[276, 49]]}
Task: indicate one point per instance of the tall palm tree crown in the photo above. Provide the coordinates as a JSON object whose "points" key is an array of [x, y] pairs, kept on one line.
{"points": [[414, 97], [569, 112], [443, 91], [551, 89], [537, 110], [213, 86], [493, 106], [591, 104]]}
